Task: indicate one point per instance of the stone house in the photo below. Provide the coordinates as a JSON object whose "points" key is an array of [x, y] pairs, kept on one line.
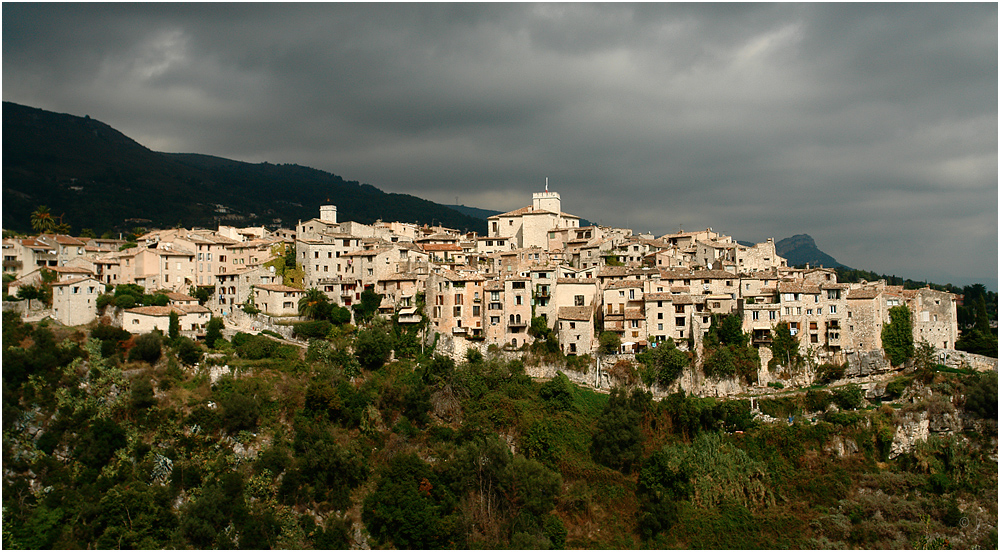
{"points": [[277, 299], [575, 327], [232, 289], [455, 303], [529, 226], [74, 300], [192, 319]]}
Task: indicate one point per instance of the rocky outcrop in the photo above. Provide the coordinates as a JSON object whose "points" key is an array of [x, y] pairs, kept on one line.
{"points": [[866, 363]]}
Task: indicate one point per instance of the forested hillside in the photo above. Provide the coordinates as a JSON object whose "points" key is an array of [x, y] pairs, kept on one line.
{"points": [[113, 440], [102, 180]]}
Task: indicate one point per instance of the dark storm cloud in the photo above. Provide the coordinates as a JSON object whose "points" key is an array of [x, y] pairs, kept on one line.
{"points": [[871, 127]]}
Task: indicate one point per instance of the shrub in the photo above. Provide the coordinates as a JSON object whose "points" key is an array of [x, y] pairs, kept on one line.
{"points": [[372, 347], [314, 329], [213, 331], [148, 348], [776, 384], [817, 399], [981, 396], [239, 412], [557, 392], [610, 343], [142, 394], [848, 397], [828, 372], [188, 351]]}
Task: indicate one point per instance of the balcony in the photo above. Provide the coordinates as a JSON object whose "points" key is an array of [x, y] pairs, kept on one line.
{"points": [[517, 323], [459, 330]]}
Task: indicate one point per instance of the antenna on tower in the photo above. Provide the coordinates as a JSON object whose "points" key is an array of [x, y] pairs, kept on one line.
{"points": [[546, 183]]}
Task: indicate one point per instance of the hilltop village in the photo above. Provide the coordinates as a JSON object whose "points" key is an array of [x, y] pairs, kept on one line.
{"points": [[477, 291]]}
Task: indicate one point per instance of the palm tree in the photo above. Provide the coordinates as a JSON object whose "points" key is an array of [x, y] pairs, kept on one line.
{"points": [[42, 220], [313, 304]]}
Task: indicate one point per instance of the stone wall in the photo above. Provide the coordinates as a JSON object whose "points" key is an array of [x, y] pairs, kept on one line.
{"points": [[960, 359]]}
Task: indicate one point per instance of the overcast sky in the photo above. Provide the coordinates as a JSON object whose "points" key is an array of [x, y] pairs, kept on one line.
{"points": [[872, 128]]}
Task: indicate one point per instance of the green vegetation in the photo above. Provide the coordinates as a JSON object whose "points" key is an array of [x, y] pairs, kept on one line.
{"points": [[897, 336], [113, 440]]}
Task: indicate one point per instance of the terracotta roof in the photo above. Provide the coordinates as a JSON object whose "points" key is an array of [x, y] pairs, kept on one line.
{"points": [[190, 309], [797, 287], [612, 325], [575, 313], [622, 284], [634, 314], [174, 296], [494, 285], [862, 294], [440, 247], [63, 239], [591, 281], [151, 311], [70, 270], [402, 276], [73, 281], [516, 212], [279, 287], [659, 297]]}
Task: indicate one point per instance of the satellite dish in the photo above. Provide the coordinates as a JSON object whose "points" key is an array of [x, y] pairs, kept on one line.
{"points": [[272, 269]]}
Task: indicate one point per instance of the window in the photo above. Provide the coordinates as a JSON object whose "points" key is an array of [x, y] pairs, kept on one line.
{"points": [[755, 315], [572, 325], [819, 311], [494, 296], [679, 321], [813, 338], [458, 298], [678, 308], [809, 312], [634, 323], [659, 316], [659, 326], [833, 309], [517, 300], [772, 315], [577, 300]]}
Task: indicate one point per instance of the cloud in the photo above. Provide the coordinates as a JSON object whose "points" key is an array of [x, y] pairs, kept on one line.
{"points": [[871, 127]]}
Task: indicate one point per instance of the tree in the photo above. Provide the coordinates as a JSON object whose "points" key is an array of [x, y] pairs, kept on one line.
{"points": [[370, 302], [665, 362], [289, 256], [373, 347], [148, 347], [785, 347], [314, 305], [618, 441], [42, 220], [213, 331], [174, 330], [610, 343], [897, 335]]}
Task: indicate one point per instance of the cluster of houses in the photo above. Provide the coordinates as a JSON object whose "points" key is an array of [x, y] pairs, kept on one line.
{"points": [[534, 262]]}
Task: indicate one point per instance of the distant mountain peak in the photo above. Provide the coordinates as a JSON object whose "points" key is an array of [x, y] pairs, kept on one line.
{"points": [[801, 249]]}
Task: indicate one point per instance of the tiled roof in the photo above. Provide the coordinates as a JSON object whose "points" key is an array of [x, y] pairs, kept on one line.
{"points": [[279, 287], [862, 293], [575, 313], [151, 311], [174, 296], [634, 314], [440, 247], [72, 281], [798, 287], [70, 270], [658, 297], [591, 281]]}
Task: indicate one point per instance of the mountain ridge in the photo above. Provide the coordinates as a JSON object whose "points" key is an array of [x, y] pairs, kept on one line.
{"points": [[102, 179]]}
